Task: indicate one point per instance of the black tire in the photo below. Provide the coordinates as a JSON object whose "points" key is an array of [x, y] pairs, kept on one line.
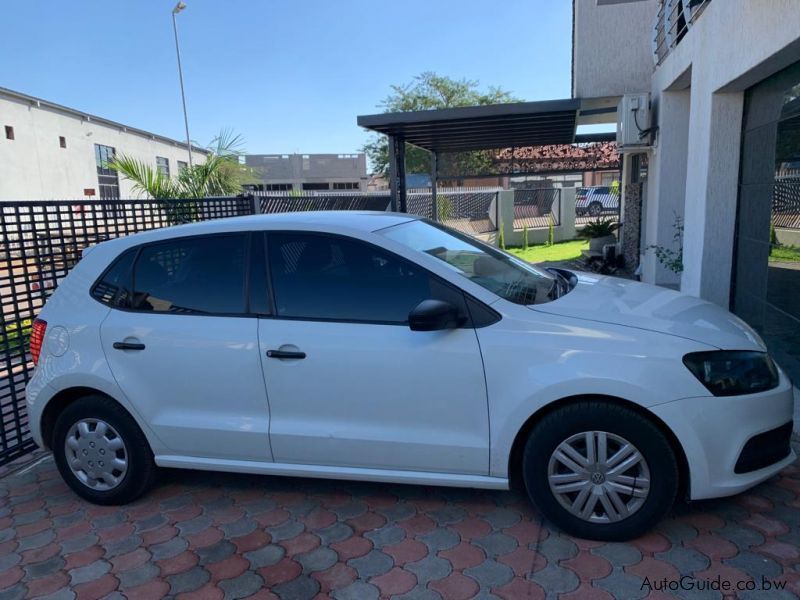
{"points": [[595, 209], [599, 415], [141, 468]]}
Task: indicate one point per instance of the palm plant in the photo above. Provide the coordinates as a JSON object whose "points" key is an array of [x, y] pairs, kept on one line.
{"points": [[220, 174]]}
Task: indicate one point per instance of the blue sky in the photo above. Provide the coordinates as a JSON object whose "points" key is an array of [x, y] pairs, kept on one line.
{"points": [[290, 76]]}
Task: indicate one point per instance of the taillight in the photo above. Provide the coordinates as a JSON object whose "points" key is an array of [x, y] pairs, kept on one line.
{"points": [[37, 338]]}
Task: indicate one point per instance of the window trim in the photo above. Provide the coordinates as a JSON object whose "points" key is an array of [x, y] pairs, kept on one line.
{"points": [[250, 235]]}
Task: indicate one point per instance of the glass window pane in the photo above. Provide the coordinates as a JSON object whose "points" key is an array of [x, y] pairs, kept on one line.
{"points": [[506, 276], [114, 287], [192, 275], [326, 277]]}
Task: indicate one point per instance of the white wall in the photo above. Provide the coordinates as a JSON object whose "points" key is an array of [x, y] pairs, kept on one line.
{"points": [[611, 47], [34, 167], [732, 45]]}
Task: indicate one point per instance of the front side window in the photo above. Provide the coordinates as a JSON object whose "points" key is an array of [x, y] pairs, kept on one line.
{"points": [[199, 275], [508, 277], [333, 278]]}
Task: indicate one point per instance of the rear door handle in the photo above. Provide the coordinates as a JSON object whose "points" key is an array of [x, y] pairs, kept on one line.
{"points": [[128, 346], [285, 354]]}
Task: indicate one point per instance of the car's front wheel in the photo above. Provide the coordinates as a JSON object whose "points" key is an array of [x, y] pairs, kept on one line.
{"points": [[101, 453], [599, 470]]}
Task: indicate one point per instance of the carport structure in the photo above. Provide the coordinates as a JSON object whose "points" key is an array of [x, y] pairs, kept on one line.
{"points": [[487, 127]]}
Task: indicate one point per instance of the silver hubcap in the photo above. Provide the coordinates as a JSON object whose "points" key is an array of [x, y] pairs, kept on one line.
{"points": [[96, 454], [598, 476]]}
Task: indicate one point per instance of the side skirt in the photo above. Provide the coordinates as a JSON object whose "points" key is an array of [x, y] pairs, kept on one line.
{"points": [[325, 472]]}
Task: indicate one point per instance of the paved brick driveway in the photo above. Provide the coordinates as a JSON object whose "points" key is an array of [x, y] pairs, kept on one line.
{"points": [[207, 535]]}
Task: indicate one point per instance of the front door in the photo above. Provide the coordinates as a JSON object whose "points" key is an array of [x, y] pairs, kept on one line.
{"points": [[185, 354], [349, 383]]}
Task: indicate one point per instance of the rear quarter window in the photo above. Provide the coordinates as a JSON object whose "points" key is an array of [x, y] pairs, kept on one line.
{"points": [[114, 286]]}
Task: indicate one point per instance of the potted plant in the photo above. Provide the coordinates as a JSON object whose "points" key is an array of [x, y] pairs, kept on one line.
{"points": [[599, 233]]}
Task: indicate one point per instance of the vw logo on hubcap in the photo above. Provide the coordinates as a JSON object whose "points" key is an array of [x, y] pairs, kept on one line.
{"points": [[598, 477]]}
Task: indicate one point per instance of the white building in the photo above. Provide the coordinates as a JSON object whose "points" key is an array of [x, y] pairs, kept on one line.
{"points": [[724, 84], [51, 152]]}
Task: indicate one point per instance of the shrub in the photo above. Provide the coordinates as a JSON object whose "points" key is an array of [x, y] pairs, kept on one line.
{"points": [[599, 228]]}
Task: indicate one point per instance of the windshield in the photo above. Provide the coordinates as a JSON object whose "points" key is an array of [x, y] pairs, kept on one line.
{"points": [[500, 273]]}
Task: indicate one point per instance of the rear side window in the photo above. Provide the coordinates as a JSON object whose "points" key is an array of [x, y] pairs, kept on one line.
{"points": [[198, 275], [339, 279], [114, 287]]}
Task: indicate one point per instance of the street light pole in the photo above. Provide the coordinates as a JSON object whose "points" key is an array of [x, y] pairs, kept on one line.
{"points": [[178, 8]]}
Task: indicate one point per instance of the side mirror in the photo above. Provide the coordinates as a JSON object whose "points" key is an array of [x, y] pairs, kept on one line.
{"points": [[434, 315]]}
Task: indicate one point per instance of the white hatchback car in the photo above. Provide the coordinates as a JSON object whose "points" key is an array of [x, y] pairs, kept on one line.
{"points": [[383, 347]]}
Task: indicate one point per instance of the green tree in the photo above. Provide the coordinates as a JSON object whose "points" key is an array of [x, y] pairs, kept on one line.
{"points": [[220, 174], [429, 91]]}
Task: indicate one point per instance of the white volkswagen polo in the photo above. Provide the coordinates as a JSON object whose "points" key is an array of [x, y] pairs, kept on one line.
{"points": [[384, 347]]}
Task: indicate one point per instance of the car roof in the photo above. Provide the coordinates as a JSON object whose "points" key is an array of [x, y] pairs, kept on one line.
{"points": [[330, 220]]}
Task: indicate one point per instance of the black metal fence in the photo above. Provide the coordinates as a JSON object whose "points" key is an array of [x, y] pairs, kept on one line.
{"points": [[786, 203], [40, 241], [537, 208]]}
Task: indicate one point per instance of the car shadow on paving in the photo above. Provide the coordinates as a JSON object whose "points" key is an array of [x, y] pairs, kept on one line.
{"points": [[214, 535]]}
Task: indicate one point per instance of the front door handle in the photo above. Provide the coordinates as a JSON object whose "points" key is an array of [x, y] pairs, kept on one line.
{"points": [[285, 354], [128, 346]]}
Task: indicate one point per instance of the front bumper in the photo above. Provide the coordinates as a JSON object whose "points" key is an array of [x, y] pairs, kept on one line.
{"points": [[713, 431]]}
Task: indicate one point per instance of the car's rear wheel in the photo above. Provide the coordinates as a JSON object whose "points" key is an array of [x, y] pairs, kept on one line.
{"points": [[595, 209], [101, 453], [599, 470]]}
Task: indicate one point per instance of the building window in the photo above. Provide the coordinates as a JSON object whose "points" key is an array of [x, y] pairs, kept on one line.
{"points": [[345, 185], [62, 141], [316, 186], [278, 187], [162, 164], [182, 165], [9, 132], [107, 178]]}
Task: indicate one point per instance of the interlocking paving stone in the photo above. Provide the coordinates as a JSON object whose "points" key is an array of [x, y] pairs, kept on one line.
{"points": [[243, 586], [216, 552], [234, 535], [554, 578], [371, 564], [496, 544], [138, 576], [90, 572], [557, 547], [266, 556], [685, 560], [357, 590], [757, 565], [318, 559], [621, 585], [17, 592], [490, 574], [188, 581], [385, 536], [168, 549], [619, 554], [285, 531], [301, 588]]}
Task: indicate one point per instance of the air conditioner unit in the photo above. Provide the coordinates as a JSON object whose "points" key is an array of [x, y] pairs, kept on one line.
{"points": [[633, 121]]}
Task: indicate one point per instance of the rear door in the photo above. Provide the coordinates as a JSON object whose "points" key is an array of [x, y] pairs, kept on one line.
{"points": [[184, 349], [350, 385]]}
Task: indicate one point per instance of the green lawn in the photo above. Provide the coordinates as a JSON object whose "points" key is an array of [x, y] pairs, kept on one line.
{"points": [[556, 252], [784, 254]]}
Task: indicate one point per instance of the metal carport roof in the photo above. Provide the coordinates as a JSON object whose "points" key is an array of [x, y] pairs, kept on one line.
{"points": [[468, 128]]}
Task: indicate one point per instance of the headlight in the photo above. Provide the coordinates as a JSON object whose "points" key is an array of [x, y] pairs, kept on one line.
{"points": [[733, 372]]}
